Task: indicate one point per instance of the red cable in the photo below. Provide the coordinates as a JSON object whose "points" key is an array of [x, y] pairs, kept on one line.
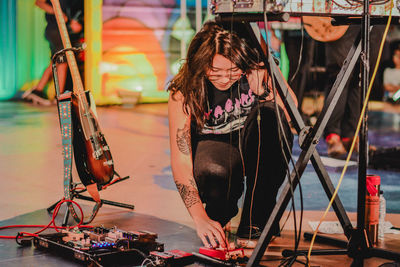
{"points": [[52, 223], [112, 182]]}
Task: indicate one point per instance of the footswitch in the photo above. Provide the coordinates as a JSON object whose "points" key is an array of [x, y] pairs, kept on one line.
{"points": [[223, 254]]}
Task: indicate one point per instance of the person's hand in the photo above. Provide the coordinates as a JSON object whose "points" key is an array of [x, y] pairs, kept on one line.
{"points": [[210, 232], [258, 82], [255, 78], [75, 26]]}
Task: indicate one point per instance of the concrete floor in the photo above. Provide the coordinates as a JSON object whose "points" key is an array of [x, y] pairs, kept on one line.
{"points": [[31, 177], [31, 160]]}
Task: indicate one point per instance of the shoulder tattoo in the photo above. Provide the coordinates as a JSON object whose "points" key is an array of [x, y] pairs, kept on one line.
{"points": [[189, 194], [183, 140]]}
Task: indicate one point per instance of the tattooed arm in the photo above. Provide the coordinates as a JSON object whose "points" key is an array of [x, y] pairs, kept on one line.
{"points": [[182, 169]]}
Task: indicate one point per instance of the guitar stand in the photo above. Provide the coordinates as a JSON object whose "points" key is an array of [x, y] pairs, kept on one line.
{"points": [[77, 193], [358, 246], [71, 189]]}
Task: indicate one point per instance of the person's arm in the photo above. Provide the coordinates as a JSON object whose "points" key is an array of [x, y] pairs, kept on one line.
{"points": [[182, 170], [75, 26], [256, 79], [48, 8], [391, 88], [76, 16]]}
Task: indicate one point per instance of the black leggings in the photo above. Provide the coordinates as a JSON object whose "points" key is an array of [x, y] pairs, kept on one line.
{"points": [[218, 168]]}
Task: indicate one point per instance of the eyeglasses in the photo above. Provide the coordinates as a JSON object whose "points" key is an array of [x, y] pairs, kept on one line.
{"points": [[220, 74]]}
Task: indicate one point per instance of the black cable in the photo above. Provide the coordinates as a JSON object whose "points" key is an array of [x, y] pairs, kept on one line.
{"points": [[301, 51], [19, 235], [141, 253], [372, 2], [280, 128], [282, 132], [230, 124]]}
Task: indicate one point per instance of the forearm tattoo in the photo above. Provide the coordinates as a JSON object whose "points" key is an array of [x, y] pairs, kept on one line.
{"points": [[183, 140], [189, 194]]}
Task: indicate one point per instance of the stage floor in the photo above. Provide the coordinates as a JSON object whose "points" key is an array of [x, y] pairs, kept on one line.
{"points": [[31, 180]]}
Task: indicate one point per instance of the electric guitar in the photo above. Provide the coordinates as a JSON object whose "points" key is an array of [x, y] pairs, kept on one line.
{"points": [[92, 154]]}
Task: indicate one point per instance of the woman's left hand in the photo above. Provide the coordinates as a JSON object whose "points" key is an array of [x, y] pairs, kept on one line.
{"points": [[256, 79]]}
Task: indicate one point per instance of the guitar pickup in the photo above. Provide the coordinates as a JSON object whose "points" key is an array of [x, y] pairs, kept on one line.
{"points": [[97, 153], [108, 163]]}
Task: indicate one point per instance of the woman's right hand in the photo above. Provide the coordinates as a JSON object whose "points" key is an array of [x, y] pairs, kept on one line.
{"points": [[210, 232]]}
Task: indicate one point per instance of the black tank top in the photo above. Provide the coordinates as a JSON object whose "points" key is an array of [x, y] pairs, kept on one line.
{"points": [[226, 111]]}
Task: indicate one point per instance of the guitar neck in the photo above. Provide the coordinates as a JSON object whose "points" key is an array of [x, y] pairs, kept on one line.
{"points": [[76, 78]]}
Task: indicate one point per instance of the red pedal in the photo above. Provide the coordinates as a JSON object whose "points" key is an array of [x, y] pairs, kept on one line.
{"points": [[222, 254]]}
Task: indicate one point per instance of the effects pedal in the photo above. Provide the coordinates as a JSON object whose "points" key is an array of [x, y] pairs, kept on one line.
{"points": [[223, 254], [171, 258]]}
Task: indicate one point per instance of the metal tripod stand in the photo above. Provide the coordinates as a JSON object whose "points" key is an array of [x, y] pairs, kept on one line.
{"points": [[358, 246]]}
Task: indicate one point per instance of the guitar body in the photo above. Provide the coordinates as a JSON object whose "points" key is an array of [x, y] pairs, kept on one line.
{"points": [[321, 29], [91, 169]]}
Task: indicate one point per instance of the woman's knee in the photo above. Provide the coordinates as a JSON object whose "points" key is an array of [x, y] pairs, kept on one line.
{"points": [[210, 177], [218, 182]]}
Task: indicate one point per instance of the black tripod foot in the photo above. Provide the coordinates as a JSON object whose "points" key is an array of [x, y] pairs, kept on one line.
{"points": [[107, 202], [321, 239], [289, 253], [327, 240], [52, 207]]}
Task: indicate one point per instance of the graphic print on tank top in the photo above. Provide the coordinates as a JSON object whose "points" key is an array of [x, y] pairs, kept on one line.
{"points": [[227, 111]]}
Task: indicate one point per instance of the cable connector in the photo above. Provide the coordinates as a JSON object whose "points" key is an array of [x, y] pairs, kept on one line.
{"points": [[23, 241]]}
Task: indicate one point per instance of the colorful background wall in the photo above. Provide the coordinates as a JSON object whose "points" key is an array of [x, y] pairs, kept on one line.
{"points": [[141, 45], [23, 48], [135, 49], [7, 49]]}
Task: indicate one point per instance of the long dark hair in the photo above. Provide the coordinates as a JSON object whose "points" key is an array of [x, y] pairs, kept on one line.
{"points": [[190, 81]]}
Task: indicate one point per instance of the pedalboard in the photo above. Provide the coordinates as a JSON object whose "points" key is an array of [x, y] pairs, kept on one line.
{"points": [[106, 246], [115, 247]]}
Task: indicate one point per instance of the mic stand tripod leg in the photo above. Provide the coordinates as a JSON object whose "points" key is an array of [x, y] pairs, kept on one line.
{"points": [[322, 239], [66, 216], [308, 145], [318, 252], [52, 207]]}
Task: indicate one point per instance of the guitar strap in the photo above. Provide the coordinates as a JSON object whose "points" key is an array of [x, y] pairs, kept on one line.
{"points": [[64, 112], [65, 116]]}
